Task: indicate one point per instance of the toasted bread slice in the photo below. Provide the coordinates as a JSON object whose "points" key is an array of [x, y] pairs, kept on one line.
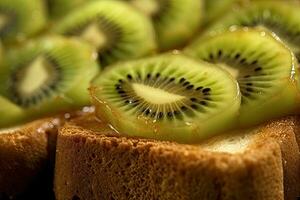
{"points": [[25, 153], [93, 162]]}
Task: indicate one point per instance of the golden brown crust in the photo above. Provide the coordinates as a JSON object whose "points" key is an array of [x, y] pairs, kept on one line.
{"points": [[25, 154], [90, 165], [285, 132]]}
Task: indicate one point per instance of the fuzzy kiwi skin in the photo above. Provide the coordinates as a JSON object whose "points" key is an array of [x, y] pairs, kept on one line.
{"points": [[137, 33], [268, 100], [30, 15], [27, 158], [82, 65]]}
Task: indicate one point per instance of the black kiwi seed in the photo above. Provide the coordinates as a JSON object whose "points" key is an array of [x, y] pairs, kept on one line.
{"points": [[243, 61], [220, 53], [205, 90], [258, 69], [186, 83], [193, 99], [171, 79], [183, 108], [189, 87], [160, 115], [254, 62], [129, 77], [203, 103], [199, 88]]}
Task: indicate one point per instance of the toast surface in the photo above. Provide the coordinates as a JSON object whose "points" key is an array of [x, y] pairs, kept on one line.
{"points": [[93, 162]]}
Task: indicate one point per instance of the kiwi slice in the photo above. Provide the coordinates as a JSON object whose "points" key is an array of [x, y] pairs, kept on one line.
{"points": [[167, 97], [263, 66], [281, 17], [58, 8], [175, 21], [21, 18], [116, 30], [48, 75]]}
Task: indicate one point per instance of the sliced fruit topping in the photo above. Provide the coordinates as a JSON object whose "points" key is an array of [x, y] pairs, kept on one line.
{"points": [[167, 97], [48, 75], [263, 66], [115, 29]]}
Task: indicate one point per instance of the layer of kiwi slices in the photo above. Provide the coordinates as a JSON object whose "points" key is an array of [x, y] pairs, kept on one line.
{"points": [[48, 75], [168, 97], [115, 29], [264, 67]]}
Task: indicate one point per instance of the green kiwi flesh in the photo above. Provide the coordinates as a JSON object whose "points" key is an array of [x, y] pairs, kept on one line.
{"points": [[264, 67], [11, 114], [280, 17], [48, 75], [20, 19], [59, 8], [116, 30], [175, 21], [216, 8], [167, 97]]}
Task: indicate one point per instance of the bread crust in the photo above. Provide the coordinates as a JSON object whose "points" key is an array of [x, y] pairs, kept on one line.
{"points": [[26, 154], [285, 132], [98, 164]]}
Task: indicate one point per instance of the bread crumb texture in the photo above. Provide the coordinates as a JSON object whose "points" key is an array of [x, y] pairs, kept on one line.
{"points": [[94, 165]]}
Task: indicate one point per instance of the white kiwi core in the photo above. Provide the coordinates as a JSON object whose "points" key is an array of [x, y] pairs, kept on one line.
{"points": [[93, 35], [155, 95], [35, 75]]}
